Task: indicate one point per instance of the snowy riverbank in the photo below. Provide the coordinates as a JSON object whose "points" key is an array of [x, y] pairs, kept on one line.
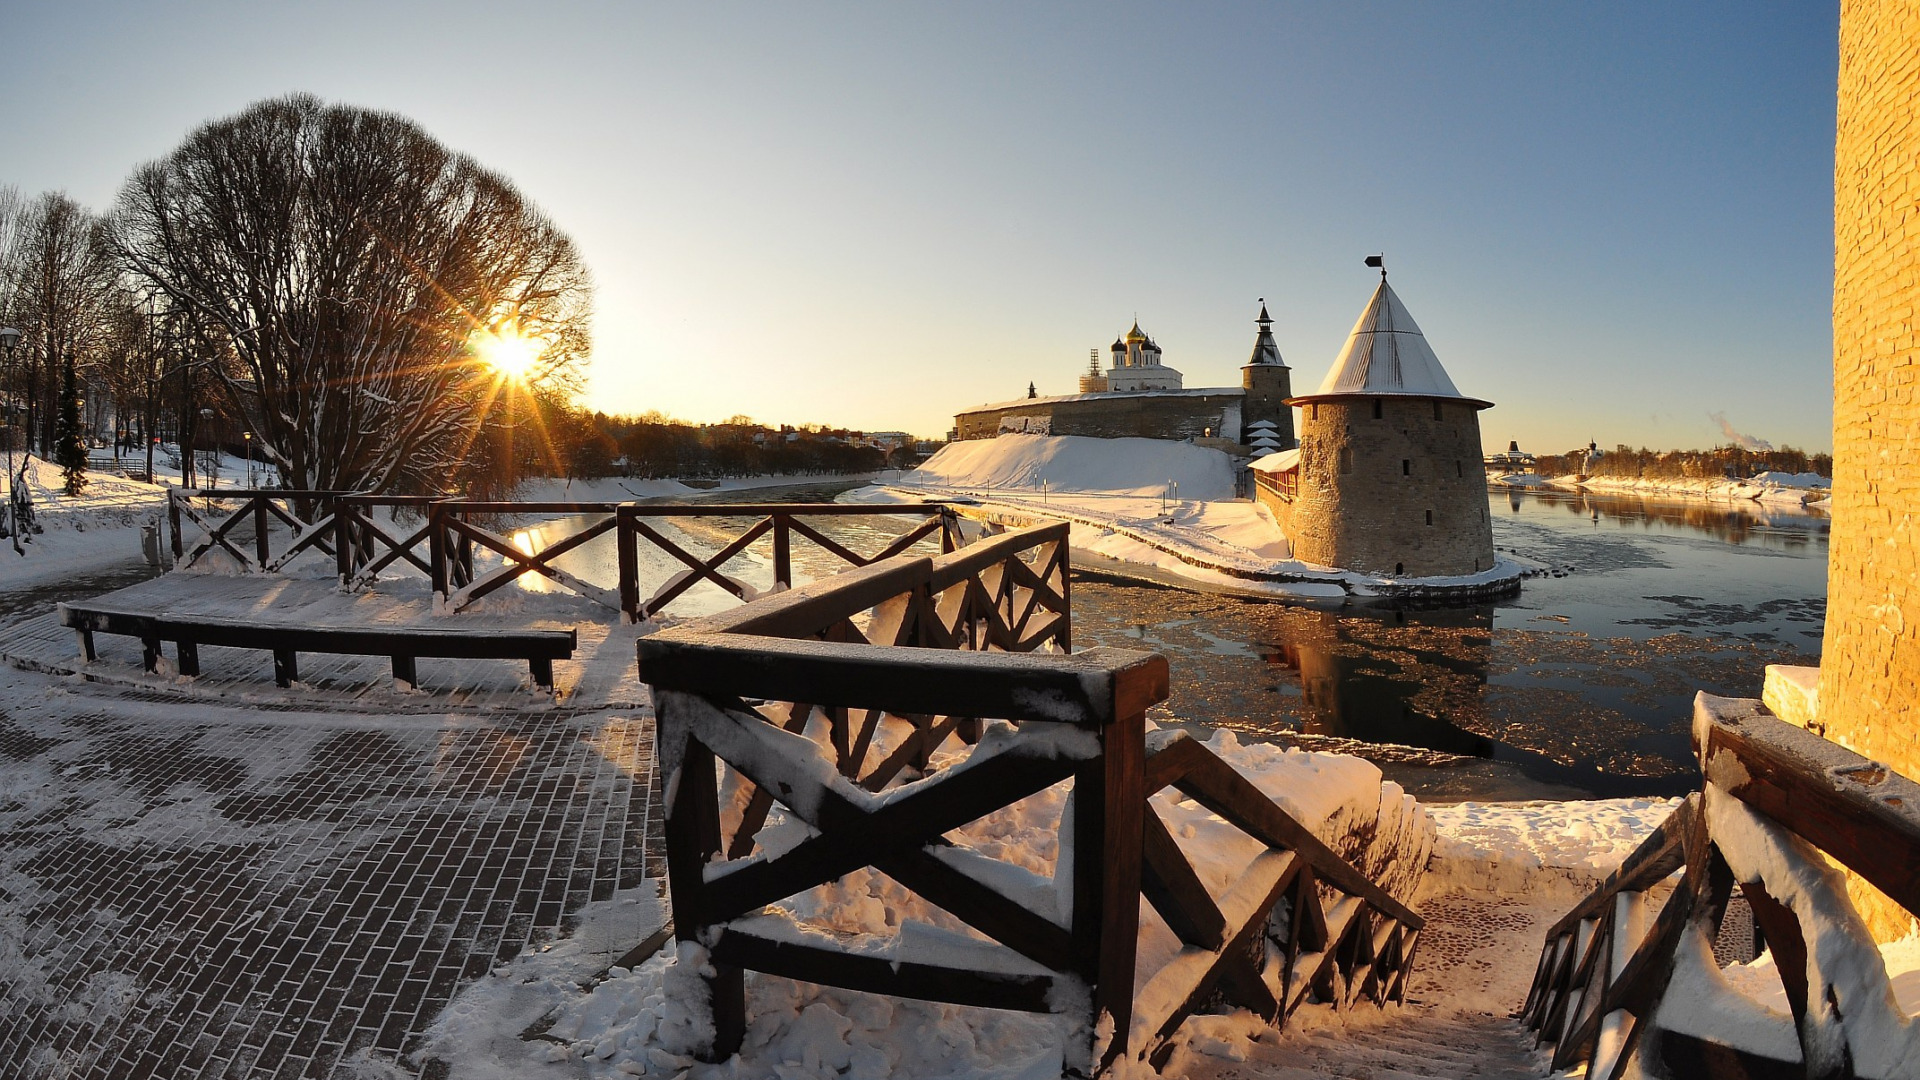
{"points": [[1778, 490], [1186, 530]]}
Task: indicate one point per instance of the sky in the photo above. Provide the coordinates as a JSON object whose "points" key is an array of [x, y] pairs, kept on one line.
{"points": [[1614, 221]]}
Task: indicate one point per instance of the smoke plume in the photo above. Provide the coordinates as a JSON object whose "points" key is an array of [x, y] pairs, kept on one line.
{"points": [[1737, 438]]}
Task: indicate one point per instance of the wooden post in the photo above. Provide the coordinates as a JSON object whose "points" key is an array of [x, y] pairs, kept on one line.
{"points": [[782, 552], [692, 838], [189, 654], [437, 552], [949, 531], [343, 541], [1066, 598], [173, 523], [1109, 798], [627, 544], [260, 530], [463, 568]]}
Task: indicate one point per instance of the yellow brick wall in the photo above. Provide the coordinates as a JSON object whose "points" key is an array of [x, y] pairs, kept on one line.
{"points": [[1870, 668]]}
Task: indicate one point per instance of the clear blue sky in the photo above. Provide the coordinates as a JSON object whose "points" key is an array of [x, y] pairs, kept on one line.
{"points": [[1612, 220]]}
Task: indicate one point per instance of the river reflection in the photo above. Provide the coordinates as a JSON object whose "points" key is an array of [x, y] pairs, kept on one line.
{"points": [[1580, 685]]}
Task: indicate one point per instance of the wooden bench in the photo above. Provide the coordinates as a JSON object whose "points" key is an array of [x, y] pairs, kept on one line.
{"points": [[404, 644]]}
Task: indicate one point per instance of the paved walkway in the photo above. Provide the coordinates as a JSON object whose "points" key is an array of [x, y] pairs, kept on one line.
{"points": [[202, 890]]}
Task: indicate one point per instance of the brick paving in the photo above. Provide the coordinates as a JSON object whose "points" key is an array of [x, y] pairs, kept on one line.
{"points": [[193, 890]]}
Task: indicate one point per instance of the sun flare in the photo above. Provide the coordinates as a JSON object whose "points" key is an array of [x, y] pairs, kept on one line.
{"points": [[508, 352]]}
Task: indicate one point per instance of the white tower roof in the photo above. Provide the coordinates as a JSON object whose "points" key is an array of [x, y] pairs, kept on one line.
{"points": [[1387, 354]]}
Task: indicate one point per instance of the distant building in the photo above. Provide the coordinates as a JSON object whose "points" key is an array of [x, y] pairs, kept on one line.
{"points": [[1512, 460], [1383, 481], [1140, 396]]}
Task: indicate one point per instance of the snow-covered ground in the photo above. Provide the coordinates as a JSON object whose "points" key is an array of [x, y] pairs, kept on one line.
{"points": [[1771, 488], [1498, 875], [1203, 538], [98, 528]]}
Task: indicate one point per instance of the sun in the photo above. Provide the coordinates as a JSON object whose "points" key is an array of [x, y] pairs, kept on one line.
{"points": [[509, 353]]}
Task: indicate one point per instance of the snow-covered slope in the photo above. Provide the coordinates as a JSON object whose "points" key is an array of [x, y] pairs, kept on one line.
{"points": [[1078, 463]]}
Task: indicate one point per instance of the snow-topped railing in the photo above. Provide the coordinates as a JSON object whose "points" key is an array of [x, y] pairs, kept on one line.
{"points": [[308, 517], [854, 724], [455, 527], [1621, 987]]}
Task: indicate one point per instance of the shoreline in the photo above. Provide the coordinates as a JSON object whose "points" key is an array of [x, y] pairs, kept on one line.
{"points": [[1159, 550]]}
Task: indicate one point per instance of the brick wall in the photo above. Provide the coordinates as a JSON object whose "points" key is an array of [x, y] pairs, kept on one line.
{"points": [[1870, 667], [1372, 514]]}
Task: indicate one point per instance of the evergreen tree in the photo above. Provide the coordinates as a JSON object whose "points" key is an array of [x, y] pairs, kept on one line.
{"points": [[70, 452]]}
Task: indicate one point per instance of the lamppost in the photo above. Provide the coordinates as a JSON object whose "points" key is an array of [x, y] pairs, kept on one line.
{"points": [[9, 339], [248, 436]]}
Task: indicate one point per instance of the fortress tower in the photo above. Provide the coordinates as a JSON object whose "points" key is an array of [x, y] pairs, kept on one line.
{"points": [[1390, 480], [1269, 384]]}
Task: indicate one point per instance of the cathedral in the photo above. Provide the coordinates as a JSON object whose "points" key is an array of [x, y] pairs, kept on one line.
{"points": [[1139, 396]]}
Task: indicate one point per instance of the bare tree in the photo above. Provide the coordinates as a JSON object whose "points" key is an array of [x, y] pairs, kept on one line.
{"points": [[348, 264], [62, 287]]}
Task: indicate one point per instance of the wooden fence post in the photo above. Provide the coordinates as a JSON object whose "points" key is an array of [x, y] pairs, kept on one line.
{"points": [[949, 531], [260, 530], [437, 551], [343, 509], [173, 522], [782, 552], [1109, 799], [627, 544]]}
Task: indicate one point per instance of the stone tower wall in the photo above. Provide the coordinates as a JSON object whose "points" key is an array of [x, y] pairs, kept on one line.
{"points": [[1366, 486], [1268, 387], [1870, 664]]}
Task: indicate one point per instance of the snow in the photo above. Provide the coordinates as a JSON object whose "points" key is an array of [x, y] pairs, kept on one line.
{"points": [[1074, 463], [638, 1023], [1563, 848], [1386, 353], [100, 527], [1783, 490], [1125, 519], [1792, 692]]}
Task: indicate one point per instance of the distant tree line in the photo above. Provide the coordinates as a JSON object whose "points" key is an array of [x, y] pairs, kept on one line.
{"points": [[653, 445], [1721, 461]]}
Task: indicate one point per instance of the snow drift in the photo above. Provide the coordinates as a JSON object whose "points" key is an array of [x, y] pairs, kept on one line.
{"points": [[1078, 463]]}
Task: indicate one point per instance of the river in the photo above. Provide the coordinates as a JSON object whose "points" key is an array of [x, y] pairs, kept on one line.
{"points": [[1580, 685]]}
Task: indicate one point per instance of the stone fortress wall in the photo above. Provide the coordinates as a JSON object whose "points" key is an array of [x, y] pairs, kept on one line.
{"points": [[1401, 494], [1870, 663], [1146, 414]]}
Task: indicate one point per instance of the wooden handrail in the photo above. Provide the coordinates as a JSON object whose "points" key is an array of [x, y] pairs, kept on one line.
{"points": [[1865, 816], [1860, 812]]}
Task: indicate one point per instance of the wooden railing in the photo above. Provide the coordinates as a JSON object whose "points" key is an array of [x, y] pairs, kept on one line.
{"points": [[438, 538], [1286, 485], [1776, 804], [890, 706], [454, 529], [307, 515]]}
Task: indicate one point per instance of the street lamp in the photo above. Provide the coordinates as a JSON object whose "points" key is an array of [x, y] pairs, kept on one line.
{"points": [[9, 340], [248, 436]]}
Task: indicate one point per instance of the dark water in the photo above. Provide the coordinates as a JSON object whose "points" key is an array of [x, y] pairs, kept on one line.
{"points": [[1581, 684]]}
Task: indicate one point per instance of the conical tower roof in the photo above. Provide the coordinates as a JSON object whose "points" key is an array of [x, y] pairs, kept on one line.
{"points": [[1264, 350], [1386, 354]]}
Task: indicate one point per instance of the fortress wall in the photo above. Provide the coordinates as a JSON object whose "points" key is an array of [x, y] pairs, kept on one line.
{"points": [[1146, 416], [1372, 515], [1870, 667]]}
